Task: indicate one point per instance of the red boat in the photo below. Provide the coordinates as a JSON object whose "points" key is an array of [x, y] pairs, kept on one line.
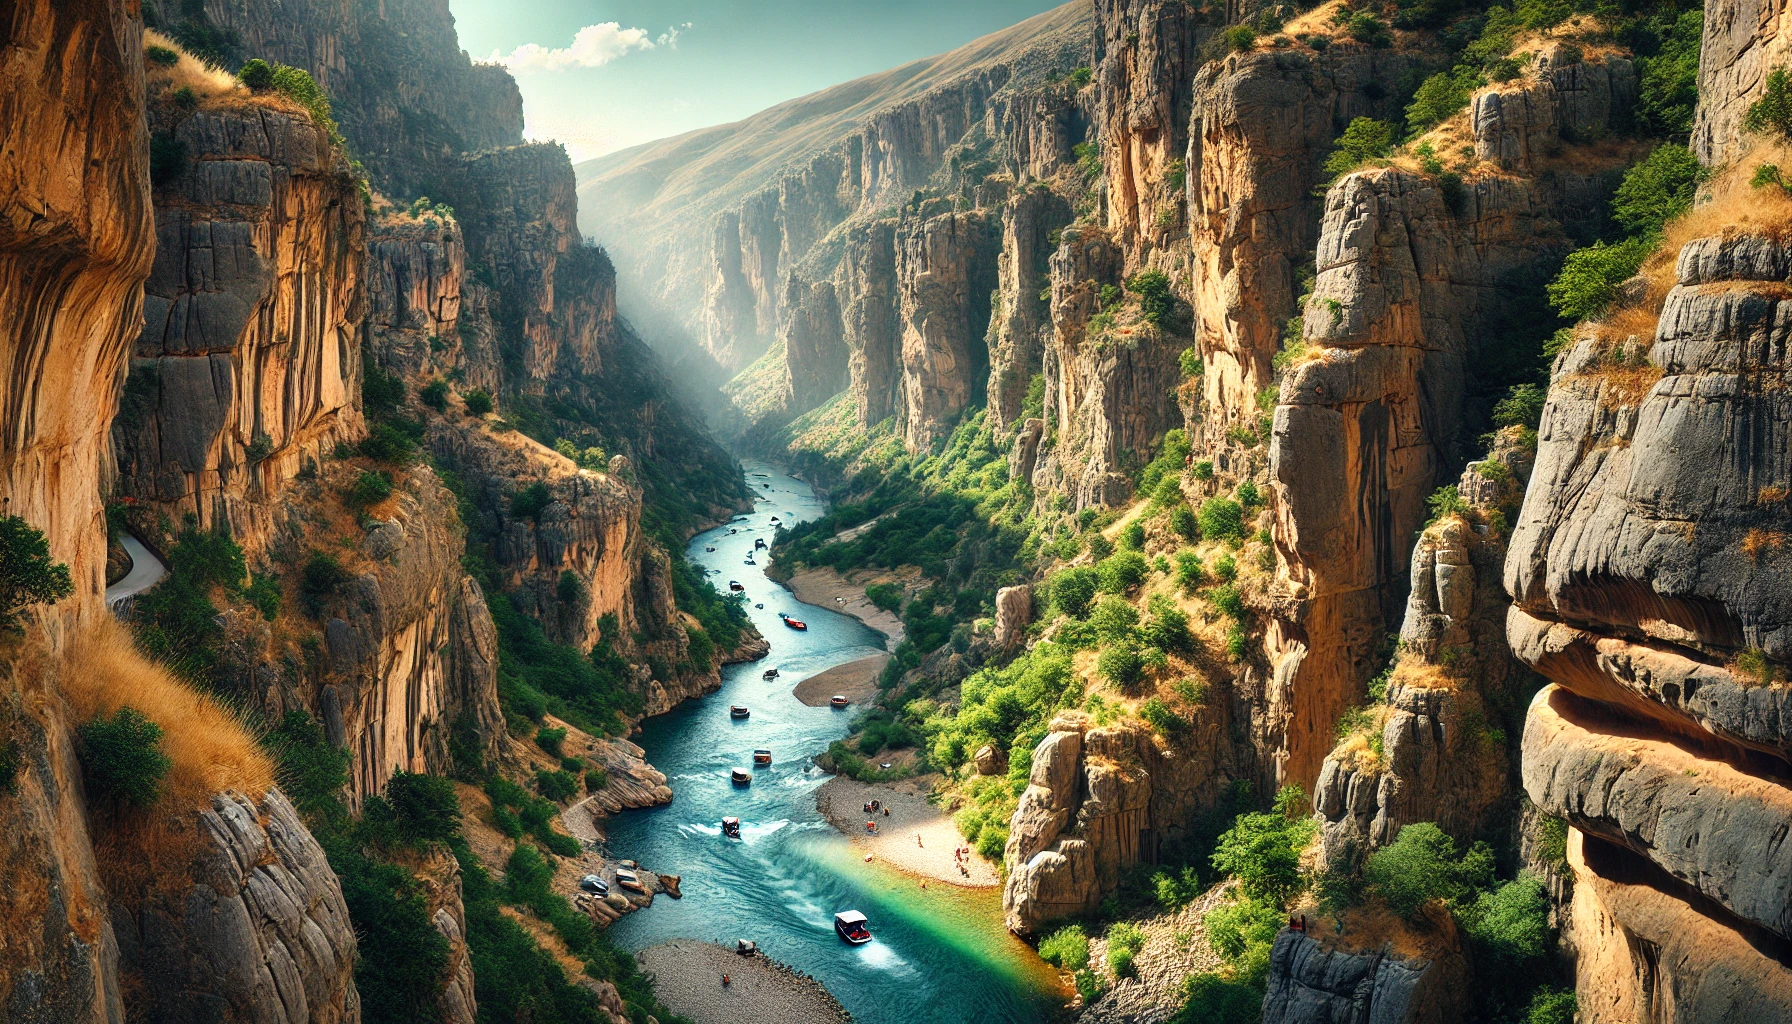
{"points": [[796, 624]]}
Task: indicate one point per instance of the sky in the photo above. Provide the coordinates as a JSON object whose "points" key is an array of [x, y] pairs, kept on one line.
{"points": [[603, 75]]}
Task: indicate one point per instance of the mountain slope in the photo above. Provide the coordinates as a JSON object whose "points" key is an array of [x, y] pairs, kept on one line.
{"points": [[663, 207]]}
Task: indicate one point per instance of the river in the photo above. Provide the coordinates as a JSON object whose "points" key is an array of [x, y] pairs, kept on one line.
{"points": [[941, 955]]}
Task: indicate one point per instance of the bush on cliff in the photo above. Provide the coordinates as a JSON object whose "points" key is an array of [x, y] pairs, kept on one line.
{"points": [[1066, 949], [28, 575], [122, 758], [1262, 850], [1422, 865]]}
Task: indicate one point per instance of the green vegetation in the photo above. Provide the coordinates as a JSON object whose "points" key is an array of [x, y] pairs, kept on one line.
{"points": [[1124, 942], [257, 74], [175, 621], [550, 739], [538, 677], [556, 785], [478, 402], [1221, 519], [1590, 277], [1421, 865], [1364, 139], [887, 596], [1441, 95], [1156, 303], [122, 759], [1066, 949], [435, 395], [1657, 190], [1772, 113], [28, 575]]}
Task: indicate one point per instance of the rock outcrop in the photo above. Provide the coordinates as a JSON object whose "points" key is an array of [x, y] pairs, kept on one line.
{"points": [[1310, 982], [1100, 800], [943, 267], [263, 934], [76, 243], [1649, 579], [815, 363], [248, 366], [1020, 324], [1744, 42]]}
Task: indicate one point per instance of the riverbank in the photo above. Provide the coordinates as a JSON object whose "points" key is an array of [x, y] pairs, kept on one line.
{"points": [[842, 801], [855, 680], [688, 979], [844, 594]]}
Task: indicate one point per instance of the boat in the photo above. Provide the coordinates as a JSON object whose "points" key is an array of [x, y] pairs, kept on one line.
{"points": [[709, 549], [738, 711], [746, 947], [731, 827], [733, 531], [761, 604], [758, 543], [735, 585], [741, 777], [838, 700], [796, 624], [770, 673], [594, 885], [629, 880], [850, 924], [762, 756], [749, 561]]}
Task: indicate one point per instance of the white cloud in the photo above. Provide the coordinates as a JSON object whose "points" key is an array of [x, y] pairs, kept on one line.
{"points": [[670, 36], [594, 45]]}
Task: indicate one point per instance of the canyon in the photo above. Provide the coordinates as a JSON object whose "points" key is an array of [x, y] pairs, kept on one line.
{"points": [[1102, 300]]}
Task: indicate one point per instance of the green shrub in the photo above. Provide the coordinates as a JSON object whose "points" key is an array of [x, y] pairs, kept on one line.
{"points": [[424, 808], [1444, 502], [435, 395], [887, 596], [1367, 28], [1073, 589], [1081, 76], [556, 785], [1191, 362], [1214, 997], [369, 489], [1668, 89], [1242, 932], [1132, 537], [531, 501], [596, 779], [1122, 573], [1550, 1005], [1364, 139], [1657, 190], [1240, 37], [265, 594], [1772, 113], [1522, 407], [1158, 715], [1066, 949], [550, 740], [1124, 942], [1202, 470], [122, 758], [1420, 866], [1121, 664], [478, 401], [1184, 524], [28, 575], [1113, 620], [257, 74], [1155, 300], [1262, 851], [1441, 95], [1589, 279], [323, 578], [1221, 519], [260, 447], [161, 55], [167, 159]]}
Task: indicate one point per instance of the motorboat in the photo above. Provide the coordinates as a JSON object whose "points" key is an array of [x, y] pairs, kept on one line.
{"points": [[731, 827], [709, 549], [749, 561], [731, 532], [758, 543], [736, 585], [762, 756], [797, 624], [627, 878], [838, 700], [851, 926], [761, 604], [741, 777], [770, 673], [594, 885], [746, 947], [738, 711]]}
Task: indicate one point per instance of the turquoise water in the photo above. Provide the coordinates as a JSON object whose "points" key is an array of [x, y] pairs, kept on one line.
{"points": [[941, 955]]}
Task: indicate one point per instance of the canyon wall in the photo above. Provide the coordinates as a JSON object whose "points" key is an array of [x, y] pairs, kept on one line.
{"points": [[76, 243], [1649, 579], [248, 367], [1744, 42]]}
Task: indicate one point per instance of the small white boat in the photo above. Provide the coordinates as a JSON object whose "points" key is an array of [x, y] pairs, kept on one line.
{"points": [[738, 711], [731, 827], [629, 880], [736, 585], [758, 543], [770, 673], [838, 700], [741, 777], [594, 885], [851, 926], [760, 605]]}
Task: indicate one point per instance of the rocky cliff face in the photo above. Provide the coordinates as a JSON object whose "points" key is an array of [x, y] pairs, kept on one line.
{"points": [[815, 365], [1309, 981], [76, 243], [943, 287], [1743, 43], [1100, 800], [248, 366], [400, 84], [262, 934], [1649, 584]]}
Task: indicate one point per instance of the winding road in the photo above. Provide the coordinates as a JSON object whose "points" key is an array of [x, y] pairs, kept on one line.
{"points": [[146, 570]]}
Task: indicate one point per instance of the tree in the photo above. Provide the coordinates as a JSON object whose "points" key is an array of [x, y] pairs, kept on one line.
{"points": [[1589, 280], [122, 758], [424, 808], [1073, 589], [479, 402], [1262, 851], [1772, 113], [1221, 519], [1657, 190], [257, 74], [1364, 139], [1421, 865], [28, 575]]}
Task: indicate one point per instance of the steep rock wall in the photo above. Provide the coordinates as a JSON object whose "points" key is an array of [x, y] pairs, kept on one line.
{"points": [[1743, 42], [1649, 584], [248, 366], [76, 243], [943, 273], [1020, 324], [815, 365], [866, 287]]}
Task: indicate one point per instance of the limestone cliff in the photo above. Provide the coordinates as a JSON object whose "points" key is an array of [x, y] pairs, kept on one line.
{"points": [[1648, 576], [248, 367], [76, 243], [1743, 43]]}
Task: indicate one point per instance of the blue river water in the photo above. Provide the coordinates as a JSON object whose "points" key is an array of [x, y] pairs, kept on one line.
{"points": [[941, 955]]}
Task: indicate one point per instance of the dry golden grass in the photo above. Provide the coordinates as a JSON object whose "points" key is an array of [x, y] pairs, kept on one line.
{"points": [[1412, 673], [1770, 495], [1758, 542], [152, 851], [211, 86]]}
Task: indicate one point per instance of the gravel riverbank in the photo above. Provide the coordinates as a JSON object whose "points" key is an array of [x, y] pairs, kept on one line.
{"points": [[842, 801], [688, 979]]}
